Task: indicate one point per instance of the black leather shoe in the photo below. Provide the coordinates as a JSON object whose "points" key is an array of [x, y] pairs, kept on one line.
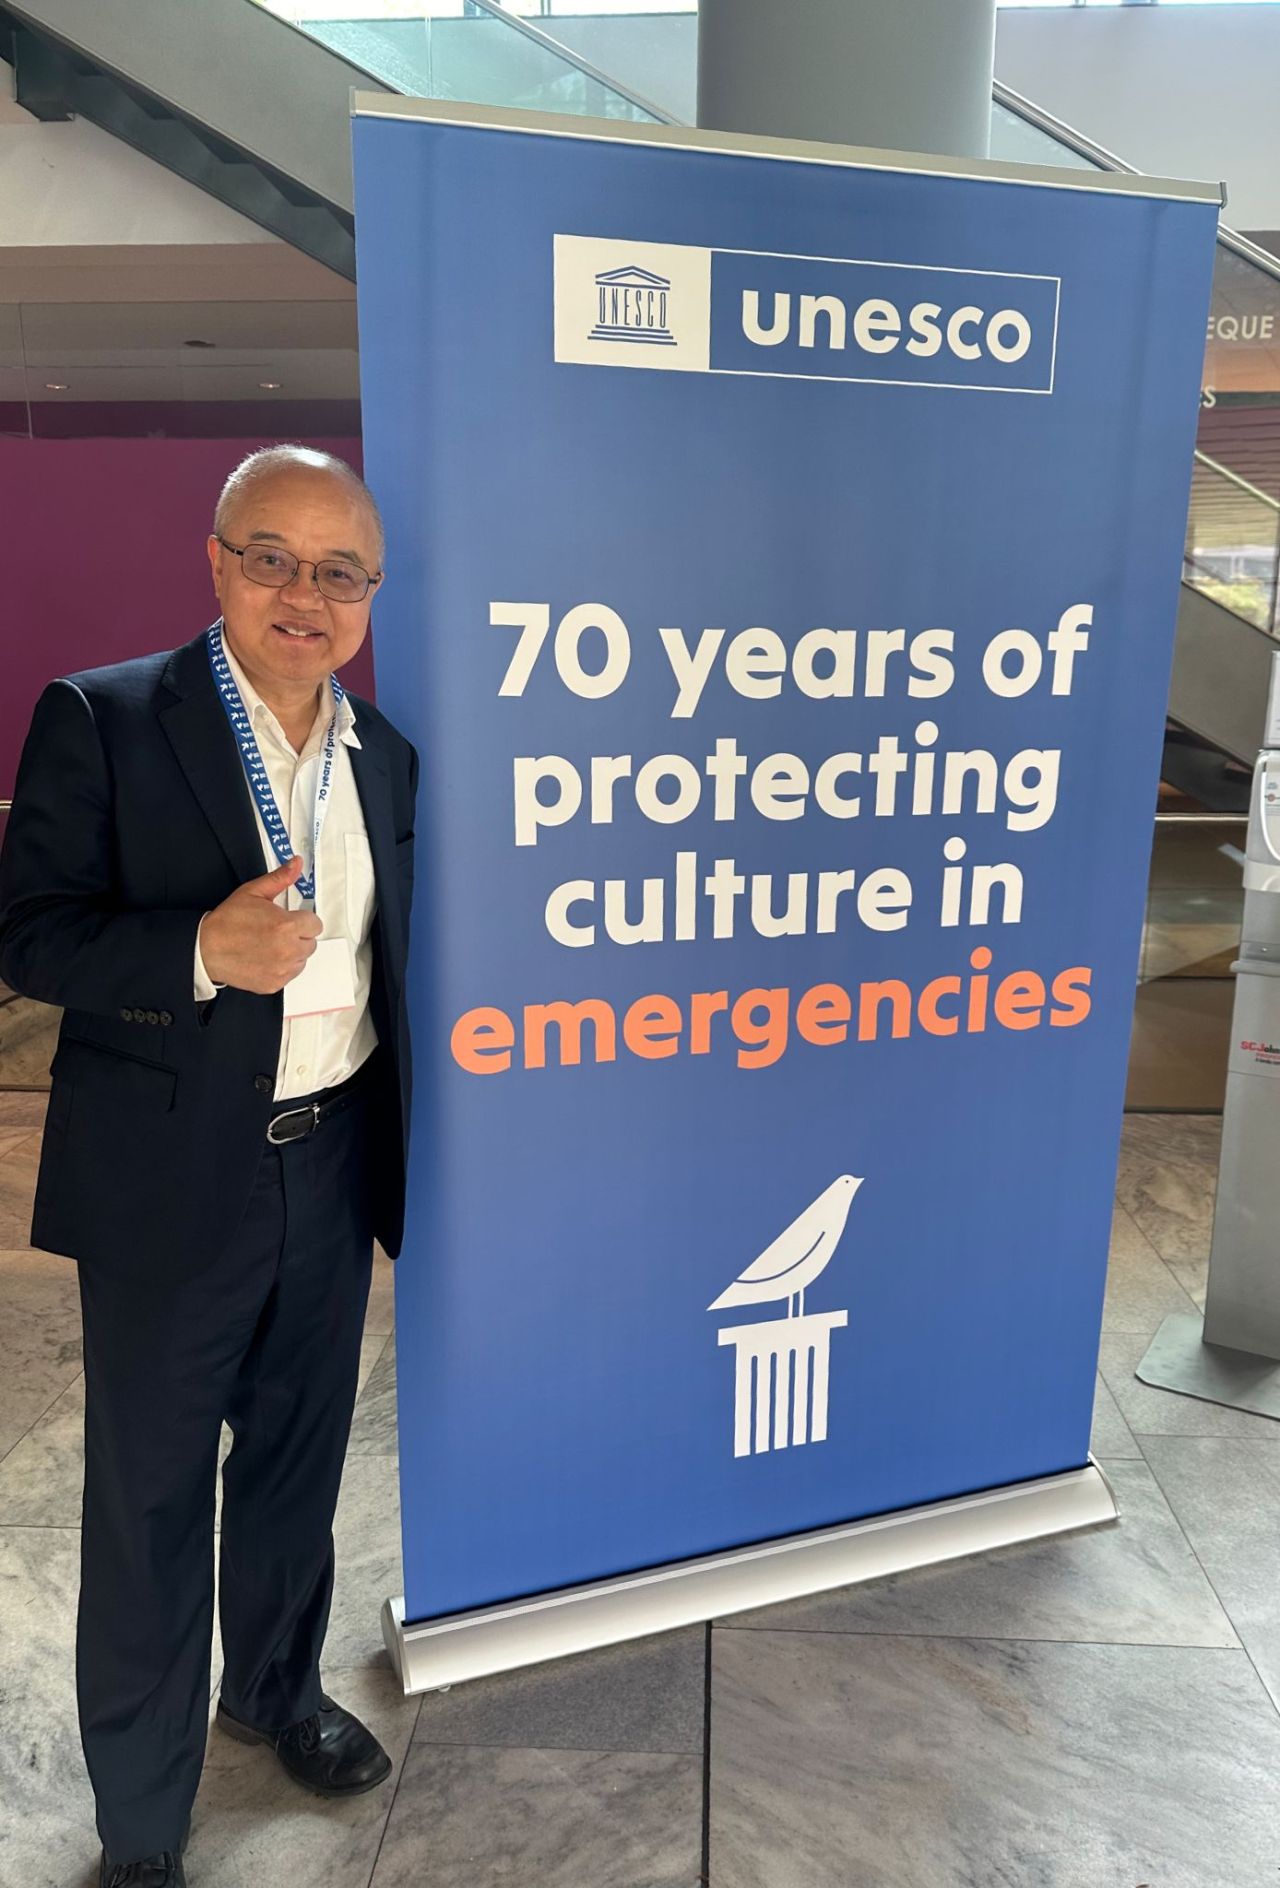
{"points": [[154, 1871], [330, 1753]]}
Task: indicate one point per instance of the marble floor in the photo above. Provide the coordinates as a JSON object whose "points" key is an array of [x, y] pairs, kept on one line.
{"points": [[1098, 1711], [1190, 936]]}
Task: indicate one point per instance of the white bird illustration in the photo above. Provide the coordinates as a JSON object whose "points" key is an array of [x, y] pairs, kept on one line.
{"points": [[800, 1252]]}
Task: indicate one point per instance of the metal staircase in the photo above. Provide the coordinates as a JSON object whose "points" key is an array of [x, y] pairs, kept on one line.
{"points": [[222, 92]]}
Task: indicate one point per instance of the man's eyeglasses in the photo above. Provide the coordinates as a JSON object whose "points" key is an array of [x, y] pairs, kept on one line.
{"points": [[273, 567]]}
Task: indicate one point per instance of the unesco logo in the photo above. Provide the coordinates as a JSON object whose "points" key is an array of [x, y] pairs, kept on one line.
{"points": [[621, 302], [782, 1365], [632, 306]]}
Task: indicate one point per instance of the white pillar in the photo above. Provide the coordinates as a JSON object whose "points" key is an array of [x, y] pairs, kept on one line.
{"points": [[904, 75]]}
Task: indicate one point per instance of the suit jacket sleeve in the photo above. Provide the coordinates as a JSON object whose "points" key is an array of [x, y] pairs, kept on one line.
{"points": [[64, 937]]}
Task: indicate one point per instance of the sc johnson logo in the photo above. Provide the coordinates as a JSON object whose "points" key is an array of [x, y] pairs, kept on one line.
{"points": [[729, 311]]}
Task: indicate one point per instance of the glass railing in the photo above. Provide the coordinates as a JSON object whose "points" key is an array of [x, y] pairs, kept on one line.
{"points": [[469, 50], [1233, 544], [1019, 137], [1233, 525], [1239, 433]]}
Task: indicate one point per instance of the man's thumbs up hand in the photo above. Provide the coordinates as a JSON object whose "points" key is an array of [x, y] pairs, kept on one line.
{"points": [[271, 884], [249, 942]]}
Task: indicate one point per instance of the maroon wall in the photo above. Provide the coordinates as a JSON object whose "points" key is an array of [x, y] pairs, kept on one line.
{"points": [[102, 556]]}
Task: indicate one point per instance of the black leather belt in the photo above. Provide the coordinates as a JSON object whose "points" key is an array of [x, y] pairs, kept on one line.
{"points": [[304, 1116]]}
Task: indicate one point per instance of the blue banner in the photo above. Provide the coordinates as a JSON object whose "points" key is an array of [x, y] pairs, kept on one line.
{"points": [[783, 565]]}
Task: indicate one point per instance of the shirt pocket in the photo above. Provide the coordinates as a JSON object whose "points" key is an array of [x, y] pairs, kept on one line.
{"points": [[359, 887]]}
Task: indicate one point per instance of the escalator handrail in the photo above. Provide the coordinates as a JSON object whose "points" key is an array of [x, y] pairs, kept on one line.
{"points": [[1054, 128], [1263, 498], [572, 58], [377, 83], [1097, 154]]}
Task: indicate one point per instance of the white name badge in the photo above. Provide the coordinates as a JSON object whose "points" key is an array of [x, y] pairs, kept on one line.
{"points": [[326, 982]]}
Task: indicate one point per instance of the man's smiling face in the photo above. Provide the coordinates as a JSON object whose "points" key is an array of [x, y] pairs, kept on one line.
{"points": [[289, 639]]}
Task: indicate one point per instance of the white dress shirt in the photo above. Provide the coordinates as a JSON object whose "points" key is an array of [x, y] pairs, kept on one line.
{"points": [[316, 1051]]}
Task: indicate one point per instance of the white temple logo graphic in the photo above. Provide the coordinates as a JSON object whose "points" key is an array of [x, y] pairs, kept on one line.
{"points": [[782, 1364], [632, 306]]}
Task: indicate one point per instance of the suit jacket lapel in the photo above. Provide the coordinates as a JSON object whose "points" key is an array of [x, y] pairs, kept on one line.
{"points": [[200, 735]]}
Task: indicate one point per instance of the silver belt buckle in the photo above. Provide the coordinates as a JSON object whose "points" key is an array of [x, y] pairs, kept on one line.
{"points": [[293, 1114]]}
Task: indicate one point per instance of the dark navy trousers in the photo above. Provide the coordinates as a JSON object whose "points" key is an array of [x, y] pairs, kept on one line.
{"points": [[266, 1338]]}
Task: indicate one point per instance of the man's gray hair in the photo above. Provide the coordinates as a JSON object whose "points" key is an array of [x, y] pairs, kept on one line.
{"points": [[270, 460]]}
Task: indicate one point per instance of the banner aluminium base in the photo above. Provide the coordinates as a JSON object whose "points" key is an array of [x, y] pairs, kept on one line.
{"points": [[443, 1652]]}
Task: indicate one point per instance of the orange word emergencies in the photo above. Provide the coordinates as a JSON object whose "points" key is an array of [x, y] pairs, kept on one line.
{"points": [[760, 1025]]}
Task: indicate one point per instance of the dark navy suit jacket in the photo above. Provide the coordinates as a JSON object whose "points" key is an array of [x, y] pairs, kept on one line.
{"points": [[131, 819]]}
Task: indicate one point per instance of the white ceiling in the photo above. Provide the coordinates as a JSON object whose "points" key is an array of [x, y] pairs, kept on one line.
{"points": [[140, 351]]}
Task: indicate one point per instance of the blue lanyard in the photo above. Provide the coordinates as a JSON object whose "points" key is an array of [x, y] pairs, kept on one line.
{"points": [[255, 768]]}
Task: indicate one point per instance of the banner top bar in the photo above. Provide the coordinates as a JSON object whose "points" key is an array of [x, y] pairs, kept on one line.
{"points": [[738, 144]]}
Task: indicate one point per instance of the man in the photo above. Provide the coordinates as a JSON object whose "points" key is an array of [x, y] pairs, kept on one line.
{"points": [[209, 865]]}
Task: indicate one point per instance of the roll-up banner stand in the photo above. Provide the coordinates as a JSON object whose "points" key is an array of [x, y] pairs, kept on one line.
{"points": [[783, 559]]}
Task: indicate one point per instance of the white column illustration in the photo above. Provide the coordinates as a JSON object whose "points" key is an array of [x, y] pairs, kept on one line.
{"points": [[782, 1364]]}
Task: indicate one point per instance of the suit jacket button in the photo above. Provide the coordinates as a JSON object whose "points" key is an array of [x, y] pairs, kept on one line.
{"points": [[139, 1016], [166, 1017], [126, 1016], [153, 1016], [264, 1084]]}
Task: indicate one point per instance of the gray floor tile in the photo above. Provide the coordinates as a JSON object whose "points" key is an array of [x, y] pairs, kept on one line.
{"points": [[1193, 1276], [1227, 1497], [1170, 944], [1168, 1178], [252, 1825], [382, 1299], [23, 1110], [372, 1345], [589, 1769], [1152, 1412], [46, 1807], [1112, 1438], [373, 1431], [366, 1533], [28, 1062], [17, 1190], [649, 1695], [215, 1655], [543, 1819], [248, 1814], [40, 1345], [1135, 1583], [1141, 1290], [42, 1477], [925, 1763]]}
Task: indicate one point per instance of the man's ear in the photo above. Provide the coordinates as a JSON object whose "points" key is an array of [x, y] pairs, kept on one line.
{"points": [[215, 565]]}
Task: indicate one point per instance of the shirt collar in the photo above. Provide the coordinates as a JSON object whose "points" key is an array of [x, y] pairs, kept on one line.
{"points": [[257, 709]]}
